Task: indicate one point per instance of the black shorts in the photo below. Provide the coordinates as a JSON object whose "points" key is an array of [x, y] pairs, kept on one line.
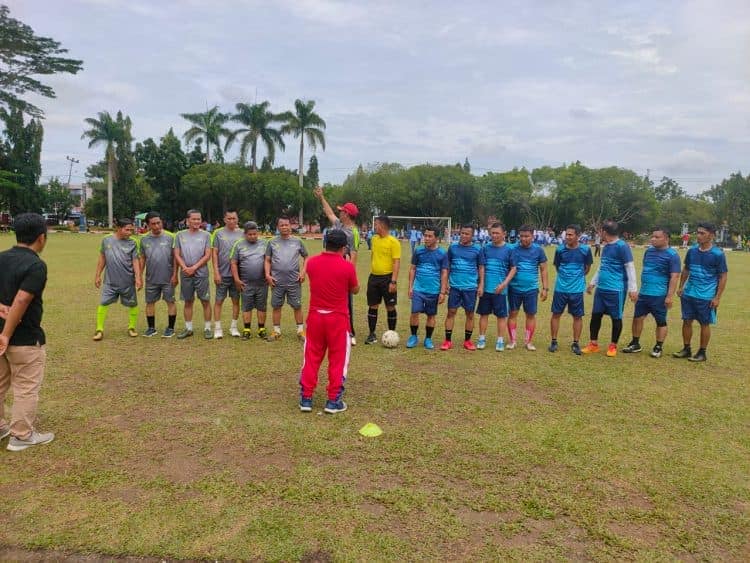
{"points": [[377, 290]]}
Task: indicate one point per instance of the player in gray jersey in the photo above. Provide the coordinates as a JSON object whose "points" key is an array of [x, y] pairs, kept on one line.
{"points": [[248, 258], [222, 241], [192, 251], [118, 258], [157, 260], [285, 272]]}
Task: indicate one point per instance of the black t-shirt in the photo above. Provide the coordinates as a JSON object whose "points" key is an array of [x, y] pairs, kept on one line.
{"points": [[22, 269]]}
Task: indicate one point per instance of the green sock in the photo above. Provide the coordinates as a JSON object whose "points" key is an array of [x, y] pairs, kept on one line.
{"points": [[101, 316], [132, 317]]}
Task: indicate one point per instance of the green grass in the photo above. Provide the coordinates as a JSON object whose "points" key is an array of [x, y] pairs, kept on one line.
{"points": [[196, 449]]}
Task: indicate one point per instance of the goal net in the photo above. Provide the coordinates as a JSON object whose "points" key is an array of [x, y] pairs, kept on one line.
{"points": [[402, 227]]}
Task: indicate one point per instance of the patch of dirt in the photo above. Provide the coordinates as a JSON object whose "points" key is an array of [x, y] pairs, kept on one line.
{"points": [[485, 518], [18, 554], [182, 465], [530, 390], [642, 534], [318, 556], [373, 509], [249, 466], [530, 535], [628, 496]]}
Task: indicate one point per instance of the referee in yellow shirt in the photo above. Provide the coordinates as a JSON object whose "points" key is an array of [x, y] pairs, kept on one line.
{"points": [[381, 285]]}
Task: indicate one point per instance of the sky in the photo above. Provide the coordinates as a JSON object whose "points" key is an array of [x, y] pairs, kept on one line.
{"points": [[662, 88]]}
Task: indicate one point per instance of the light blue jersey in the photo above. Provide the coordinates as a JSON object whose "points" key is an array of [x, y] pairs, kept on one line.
{"points": [[527, 261], [464, 266], [612, 273], [571, 264], [658, 267], [705, 269], [498, 261], [429, 267]]}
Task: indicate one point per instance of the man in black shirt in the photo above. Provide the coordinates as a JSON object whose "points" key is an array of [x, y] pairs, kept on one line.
{"points": [[23, 276]]}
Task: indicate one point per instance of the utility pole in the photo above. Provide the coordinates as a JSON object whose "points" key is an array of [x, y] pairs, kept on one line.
{"points": [[70, 171]]}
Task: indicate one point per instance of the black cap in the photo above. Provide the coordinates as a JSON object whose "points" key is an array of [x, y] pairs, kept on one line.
{"points": [[335, 239]]}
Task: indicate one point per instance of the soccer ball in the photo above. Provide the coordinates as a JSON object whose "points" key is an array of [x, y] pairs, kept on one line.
{"points": [[390, 339]]}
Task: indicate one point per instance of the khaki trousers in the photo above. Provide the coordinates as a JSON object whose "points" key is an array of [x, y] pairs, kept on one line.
{"points": [[22, 369]]}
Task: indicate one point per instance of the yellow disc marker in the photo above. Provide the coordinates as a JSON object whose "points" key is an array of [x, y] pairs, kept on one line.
{"points": [[370, 430]]}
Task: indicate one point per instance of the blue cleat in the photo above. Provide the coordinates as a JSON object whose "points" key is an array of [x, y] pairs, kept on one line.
{"points": [[413, 341], [428, 344]]}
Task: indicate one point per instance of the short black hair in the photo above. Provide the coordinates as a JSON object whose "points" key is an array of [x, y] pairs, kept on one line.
{"points": [[251, 226], [384, 219], [28, 227], [191, 211], [431, 228], [123, 222], [467, 226], [498, 225], [610, 227], [335, 240], [283, 218], [152, 215], [525, 229], [230, 210], [575, 226], [662, 229], [710, 227]]}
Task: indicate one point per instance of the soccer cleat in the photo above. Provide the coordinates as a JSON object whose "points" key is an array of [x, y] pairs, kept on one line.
{"points": [[262, 333], [576, 349], [530, 347], [590, 348], [611, 350], [428, 344], [247, 334], [218, 333], [36, 439], [150, 331], [684, 353], [168, 332], [305, 404], [132, 333], [186, 333], [371, 338], [470, 346], [412, 341], [500, 346], [98, 335], [301, 335], [632, 349], [446, 345], [656, 352], [333, 407], [353, 341], [234, 332], [4, 431], [481, 343], [511, 345], [207, 334], [553, 347], [700, 356], [274, 336]]}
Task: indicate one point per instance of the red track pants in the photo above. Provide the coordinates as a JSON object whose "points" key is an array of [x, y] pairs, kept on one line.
{"points": [[326, 331]]}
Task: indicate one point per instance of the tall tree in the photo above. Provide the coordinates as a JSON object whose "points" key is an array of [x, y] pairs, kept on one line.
{"points": [[20, 158], [23, 55], [208, 124], [257, 120], [59, 200], [305, 124], [163, 166], [108, 132]]}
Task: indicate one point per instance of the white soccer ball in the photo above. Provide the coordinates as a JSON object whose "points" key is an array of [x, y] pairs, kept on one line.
{"points": [[390, 339]]}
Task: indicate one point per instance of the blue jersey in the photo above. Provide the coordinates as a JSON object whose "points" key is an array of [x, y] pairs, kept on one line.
{"points": [[571, 264], [612, 273], [429, 267], [658, 267], [527, 261], [498, 262], [705, 269], [464, 266]]}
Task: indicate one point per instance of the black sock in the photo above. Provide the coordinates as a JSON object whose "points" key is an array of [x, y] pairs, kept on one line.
{"points": [[636, 341], [595, 325], [372, 319], [247, 326], [172, 320], [414, 329], [392, 315], [659, 344], [428, 331], [616, 330], [467, 334], [575, 342], [554, 341], [687, 346], [151, 320], [448, 334], [701, 350]]}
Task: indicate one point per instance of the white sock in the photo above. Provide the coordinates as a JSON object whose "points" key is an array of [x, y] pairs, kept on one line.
{"points": [[234, 324], [188, 325], [300, 326], [217, 324], [277, 329], [500, 339], [207, 325]]}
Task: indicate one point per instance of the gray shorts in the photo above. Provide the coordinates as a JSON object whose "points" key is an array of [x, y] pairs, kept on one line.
{"points": [[224, 287], [160, 291], [126, 295], [190, 286], [293, 295], [255, 297]]}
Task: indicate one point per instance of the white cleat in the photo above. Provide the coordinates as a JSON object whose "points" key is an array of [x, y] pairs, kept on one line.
{"points": [[218, 334], [234, 331]]}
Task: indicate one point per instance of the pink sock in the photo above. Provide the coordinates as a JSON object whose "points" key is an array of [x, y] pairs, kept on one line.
{"points": [[512, 332], [529, 334]]}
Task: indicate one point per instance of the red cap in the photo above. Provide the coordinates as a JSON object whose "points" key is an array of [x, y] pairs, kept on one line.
{"points": [[349, 208]]}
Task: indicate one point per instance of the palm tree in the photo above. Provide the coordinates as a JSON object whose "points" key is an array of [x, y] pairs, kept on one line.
{"points": [[305, 123], [209, 124], [257, 120], [106, 131]]}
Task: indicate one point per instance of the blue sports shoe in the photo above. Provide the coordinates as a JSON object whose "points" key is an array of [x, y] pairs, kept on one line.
{"points": [[305, 405], [500, 345], [413, 341], [168, 333], [481, 343], [333, 407], [150, 331], [428, 344]]}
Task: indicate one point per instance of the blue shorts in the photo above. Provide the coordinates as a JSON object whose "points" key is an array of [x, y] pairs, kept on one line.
{"points": [[494, 303], [609, 303], [465, 298], [528, 299], [424, 303], [574, 301], [653, 304], [698, 310]]}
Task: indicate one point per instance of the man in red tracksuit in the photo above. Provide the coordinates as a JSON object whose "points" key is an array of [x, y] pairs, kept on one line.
{"points": [[331, 279]]}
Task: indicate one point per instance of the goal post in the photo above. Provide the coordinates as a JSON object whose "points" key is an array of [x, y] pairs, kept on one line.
{"points": [[403, 224]]}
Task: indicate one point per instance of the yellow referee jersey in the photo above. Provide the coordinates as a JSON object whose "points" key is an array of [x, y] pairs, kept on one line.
{"points": [[384, 251]]}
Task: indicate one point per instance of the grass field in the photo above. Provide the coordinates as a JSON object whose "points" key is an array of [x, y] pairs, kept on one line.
{"points": [[196, 449]]}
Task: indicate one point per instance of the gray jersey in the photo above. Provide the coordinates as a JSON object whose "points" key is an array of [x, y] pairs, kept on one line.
{"points": [[192, 248], [159, 257], [250, 258], [223, 240], [118, 260], [337, 224], [285, 255]]}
